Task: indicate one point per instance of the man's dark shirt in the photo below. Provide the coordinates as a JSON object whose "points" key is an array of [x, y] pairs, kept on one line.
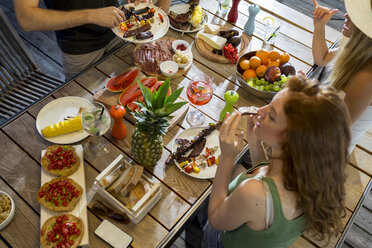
{"points": [[86, 38]]}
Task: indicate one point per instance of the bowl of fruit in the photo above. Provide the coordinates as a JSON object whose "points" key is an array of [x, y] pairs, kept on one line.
{"points": [[263, 73]]}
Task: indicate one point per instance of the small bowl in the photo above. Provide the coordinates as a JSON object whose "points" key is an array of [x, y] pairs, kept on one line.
{"points": [[179, 42], [169, 68], [182, 65], [11, 214]]}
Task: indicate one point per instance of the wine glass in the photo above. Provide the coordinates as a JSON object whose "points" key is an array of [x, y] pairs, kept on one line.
{"points": [[96, 121], [199, 92]]}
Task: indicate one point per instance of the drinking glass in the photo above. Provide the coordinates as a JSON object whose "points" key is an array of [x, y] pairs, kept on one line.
{"points": [[96, 121], [223, 6], [271, 32], [199, 92]]}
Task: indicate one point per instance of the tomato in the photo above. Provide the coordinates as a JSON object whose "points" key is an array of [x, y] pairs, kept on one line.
{"points": [[189, 169]]}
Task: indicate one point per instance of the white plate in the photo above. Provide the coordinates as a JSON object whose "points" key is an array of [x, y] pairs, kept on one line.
{"points": [[158, 28], [56, 111], [183, 8], [212, 140], [11, 214]]}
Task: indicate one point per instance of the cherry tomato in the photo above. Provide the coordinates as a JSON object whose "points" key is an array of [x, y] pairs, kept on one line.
{"points": [[189, 169]]}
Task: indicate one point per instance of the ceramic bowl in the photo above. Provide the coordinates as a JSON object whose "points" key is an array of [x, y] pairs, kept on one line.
{"points": [[169, 68], [179, 42], [11, 214], [182, 65], [243, 83]]}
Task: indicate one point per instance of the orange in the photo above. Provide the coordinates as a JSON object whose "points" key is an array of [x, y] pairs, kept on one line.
{"points": [[254, 62], [250, 73], [284, 57], [274, 63], [263, 54], [244, 64], [274, 55], [260, 71]]}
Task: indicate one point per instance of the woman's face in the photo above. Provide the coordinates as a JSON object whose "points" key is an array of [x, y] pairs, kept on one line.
{"points": [[271, 121], [348, 28]]}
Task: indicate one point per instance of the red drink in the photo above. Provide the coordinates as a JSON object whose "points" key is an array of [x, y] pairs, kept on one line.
{"points": [[199, 92]]}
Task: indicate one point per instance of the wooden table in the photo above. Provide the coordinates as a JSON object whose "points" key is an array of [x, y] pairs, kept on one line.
{"points": [[20, 143]]}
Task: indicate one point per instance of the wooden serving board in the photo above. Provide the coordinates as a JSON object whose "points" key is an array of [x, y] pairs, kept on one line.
{"points": [[160, 76], [111, 98], [206, 50], [80, 209]]}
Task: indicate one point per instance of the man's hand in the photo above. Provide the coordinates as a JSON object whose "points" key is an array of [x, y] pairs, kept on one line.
{"points": [[109, 17], [322, 15]]}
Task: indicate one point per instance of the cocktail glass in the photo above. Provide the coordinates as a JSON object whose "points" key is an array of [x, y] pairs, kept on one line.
{"points": [[199, 92], [223, 6], [96, 121], [271, 32]]}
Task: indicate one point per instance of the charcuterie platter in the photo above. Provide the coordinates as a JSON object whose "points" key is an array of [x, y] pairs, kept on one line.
{"points": [[213, 41], [145, 22], [149, 56]]}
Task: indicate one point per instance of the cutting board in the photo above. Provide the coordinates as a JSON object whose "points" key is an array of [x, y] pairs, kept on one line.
{"points": [[160, 76], [206, 50], [81, 208], [111, 98]]}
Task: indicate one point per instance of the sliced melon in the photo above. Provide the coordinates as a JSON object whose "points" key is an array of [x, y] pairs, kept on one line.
{"points": [[133, 91], [122, 81]]}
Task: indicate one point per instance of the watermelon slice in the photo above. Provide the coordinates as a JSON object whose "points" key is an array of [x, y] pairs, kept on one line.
{"points": [[122, 81], [133, 91]]}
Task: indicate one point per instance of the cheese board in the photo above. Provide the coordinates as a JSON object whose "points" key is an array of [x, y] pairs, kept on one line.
{"points": [[80, 209], [204, 42], [149, 56]]}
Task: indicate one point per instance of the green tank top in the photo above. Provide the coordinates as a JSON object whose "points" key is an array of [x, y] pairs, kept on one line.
{"points": [[281, 233]]}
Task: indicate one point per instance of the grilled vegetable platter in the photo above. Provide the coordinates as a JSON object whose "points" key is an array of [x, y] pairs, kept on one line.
{"points": [[187, 18], [144, 23], [196, 151]]}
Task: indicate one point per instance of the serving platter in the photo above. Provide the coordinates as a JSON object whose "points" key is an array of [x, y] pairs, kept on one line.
{"points": [[56, 111], [212, 140], [160, 76], [206, 50], [158, 28], [80, 209], [183, 8]]}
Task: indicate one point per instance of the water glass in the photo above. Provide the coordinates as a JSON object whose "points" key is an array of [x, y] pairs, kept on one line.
{"points": [[223, 6], [271, 32]]}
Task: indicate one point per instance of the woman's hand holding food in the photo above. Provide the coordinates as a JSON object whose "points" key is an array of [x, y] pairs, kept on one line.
{"points": [[230, 143], [322, 14]]}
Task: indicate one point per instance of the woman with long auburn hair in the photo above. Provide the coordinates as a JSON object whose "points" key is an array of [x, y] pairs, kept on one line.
{"points": [[351, 62], [299, 187]]}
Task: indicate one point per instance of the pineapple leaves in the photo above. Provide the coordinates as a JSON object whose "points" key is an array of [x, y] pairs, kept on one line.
{"points": [[147, 94], [171, 107], [161, 94], [173, 97]]}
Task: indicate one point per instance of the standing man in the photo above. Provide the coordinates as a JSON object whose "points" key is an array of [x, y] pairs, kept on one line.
{"points": [[83, 27]]}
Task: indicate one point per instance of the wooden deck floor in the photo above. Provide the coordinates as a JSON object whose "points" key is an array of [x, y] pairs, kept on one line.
{"points": [[44, 49]]}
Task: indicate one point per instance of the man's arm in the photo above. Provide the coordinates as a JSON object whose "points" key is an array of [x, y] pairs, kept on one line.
{"points": [[30, 17]]}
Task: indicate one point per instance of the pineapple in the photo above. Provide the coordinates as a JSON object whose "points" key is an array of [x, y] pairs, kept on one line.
{"points": [[152, 123]]}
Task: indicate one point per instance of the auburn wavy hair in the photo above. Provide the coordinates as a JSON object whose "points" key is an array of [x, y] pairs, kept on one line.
{"points": [[315, 153]]}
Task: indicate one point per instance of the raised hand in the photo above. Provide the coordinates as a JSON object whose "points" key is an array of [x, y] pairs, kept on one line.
{"points": [[231, 144], [109, 17], [322, 14]]}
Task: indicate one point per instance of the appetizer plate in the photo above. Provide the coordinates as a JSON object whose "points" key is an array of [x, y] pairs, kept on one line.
{"points": [[80, 209], [158, 28], [56, 111], [212, 140], [183, 8]]}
